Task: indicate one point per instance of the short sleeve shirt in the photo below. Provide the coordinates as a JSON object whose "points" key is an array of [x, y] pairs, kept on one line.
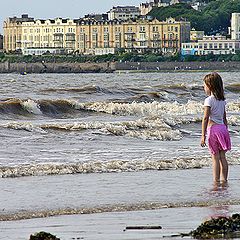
{"points": [[217, 108]]}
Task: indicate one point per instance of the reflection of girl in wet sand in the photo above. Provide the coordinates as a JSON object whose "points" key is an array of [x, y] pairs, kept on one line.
{"points": [[214, 123]]}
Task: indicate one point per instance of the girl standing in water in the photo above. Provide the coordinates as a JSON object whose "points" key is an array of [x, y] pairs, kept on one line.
{"points": [[214, 123]]}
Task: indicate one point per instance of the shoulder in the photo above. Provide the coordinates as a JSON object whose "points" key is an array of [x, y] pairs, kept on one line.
{"points": [[208, 101]]}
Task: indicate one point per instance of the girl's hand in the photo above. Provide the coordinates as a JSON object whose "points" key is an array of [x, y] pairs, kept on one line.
{"points": [[203, 141]]}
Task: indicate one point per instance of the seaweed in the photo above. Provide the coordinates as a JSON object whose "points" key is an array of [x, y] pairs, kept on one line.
{"points": [[221, 227], [43, 236]]}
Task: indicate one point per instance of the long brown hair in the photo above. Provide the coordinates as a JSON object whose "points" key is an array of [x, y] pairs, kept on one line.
{"points": [[215, 84]]}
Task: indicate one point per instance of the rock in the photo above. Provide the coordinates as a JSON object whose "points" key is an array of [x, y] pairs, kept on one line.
{"points": [[43, 236], [221, 227]]}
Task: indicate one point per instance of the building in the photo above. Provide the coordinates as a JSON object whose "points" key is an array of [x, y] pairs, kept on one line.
{"points": [[97, 17], [190, 48], [27, 33], [198, 5], [12, 31], [50, 33], [211, 45], [196, 35], [91, 36], [138, 35], [123, 13], [145, 8], [235, 26], [1, 42], [218, 45], [42, 51], [203, 45]]}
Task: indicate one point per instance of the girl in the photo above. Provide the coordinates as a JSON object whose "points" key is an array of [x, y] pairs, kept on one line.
{"points": [[215, 124]]}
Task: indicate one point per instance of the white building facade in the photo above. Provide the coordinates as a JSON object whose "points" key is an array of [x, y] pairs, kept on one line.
{"points": [[217, 45], [235, 26], [123, 13]]}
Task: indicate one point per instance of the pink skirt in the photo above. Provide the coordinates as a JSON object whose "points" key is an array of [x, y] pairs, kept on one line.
{"points": [[218, 138]]}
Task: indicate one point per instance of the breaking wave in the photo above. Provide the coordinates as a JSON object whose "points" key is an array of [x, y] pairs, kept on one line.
{"points": [[101, 167], [142, 108], [145, 128], [114, 166]]}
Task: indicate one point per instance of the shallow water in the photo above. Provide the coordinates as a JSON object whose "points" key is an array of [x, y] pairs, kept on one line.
{"points": [[120, 124]]}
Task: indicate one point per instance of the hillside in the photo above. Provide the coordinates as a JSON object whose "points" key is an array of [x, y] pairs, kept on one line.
{"points": [[215, 17]]}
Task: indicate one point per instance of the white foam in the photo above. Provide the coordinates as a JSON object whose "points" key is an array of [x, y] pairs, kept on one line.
{"points": [[27, 126], [144, 109], [31, 106], [155, 129]]}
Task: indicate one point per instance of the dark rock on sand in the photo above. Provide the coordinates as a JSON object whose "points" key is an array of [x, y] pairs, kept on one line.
{"points": [[222, 227], [43, 236]]}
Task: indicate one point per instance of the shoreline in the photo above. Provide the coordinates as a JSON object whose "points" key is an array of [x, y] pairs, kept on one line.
{"points": [[124, 197], [110, 67], [108, 226]]}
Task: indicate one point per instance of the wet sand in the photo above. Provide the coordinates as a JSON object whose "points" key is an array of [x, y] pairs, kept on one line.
{"points": [[132, 199], [111, 226]]}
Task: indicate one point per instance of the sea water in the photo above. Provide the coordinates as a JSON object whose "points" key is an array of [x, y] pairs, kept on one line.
{"points": [[71, 143]]}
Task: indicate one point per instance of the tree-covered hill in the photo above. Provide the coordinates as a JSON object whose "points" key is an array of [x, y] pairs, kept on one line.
{"points": [[215, 17]]}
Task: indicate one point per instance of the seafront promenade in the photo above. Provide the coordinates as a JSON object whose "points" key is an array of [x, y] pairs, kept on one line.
{"points": [[39, 67]]}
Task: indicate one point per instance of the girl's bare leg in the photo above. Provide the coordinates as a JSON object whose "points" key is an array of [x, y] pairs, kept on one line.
{"points": [[224, 166], [216, 167]]}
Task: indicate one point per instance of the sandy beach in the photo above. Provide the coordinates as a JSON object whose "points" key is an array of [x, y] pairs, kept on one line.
{"points": [[195, 200]]}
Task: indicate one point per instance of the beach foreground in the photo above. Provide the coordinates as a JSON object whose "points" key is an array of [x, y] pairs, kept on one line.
{"points": [[111, 226], [198, 200]]}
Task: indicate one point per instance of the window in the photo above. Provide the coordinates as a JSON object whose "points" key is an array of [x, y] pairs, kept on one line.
{"points": [[106, 37], [82, 37], [94, 37], [117, 37]]}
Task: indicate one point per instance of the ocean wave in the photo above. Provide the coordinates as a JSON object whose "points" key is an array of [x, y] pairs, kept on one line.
{"points": [[84, 89], [233, 87], [102, 167], [124, 207], [144, 109], [110, 166], [144, 128], [150, 108], [37, 107], [234, 120]]}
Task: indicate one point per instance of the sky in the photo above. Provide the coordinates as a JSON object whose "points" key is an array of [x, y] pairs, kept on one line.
{"points": [[44, 9]]}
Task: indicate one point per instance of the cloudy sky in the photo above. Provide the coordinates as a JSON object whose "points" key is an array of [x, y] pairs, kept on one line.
{"points": [[58, 8]]}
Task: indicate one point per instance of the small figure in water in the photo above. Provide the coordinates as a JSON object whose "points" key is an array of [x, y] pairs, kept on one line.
{"points": [[214, 125]]}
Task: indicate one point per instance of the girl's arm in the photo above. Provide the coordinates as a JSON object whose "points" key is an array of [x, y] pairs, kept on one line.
{"points": [[225, 118], [204, 125]]}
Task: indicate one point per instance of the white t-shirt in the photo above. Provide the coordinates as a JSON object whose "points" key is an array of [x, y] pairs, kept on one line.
{"points": [[217, 108]]}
